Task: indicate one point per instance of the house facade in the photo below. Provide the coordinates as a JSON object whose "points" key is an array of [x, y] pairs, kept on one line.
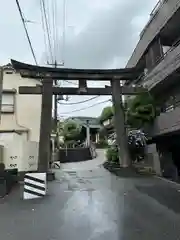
{"points": [[157, 54], [20, 114]]}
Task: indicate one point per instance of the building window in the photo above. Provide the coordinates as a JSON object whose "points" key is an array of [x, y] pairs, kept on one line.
{"points": [[8, 103]]}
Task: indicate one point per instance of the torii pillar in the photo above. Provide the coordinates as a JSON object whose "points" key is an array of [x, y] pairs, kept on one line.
{"points": [[46, 125], [119, 122]]}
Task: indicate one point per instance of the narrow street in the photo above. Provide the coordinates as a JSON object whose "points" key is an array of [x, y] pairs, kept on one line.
{"points": [[93, 204]]}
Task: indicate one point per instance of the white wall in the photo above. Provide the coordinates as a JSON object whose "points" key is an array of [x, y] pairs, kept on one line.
{"points": [[23, 155], [27, 108]]}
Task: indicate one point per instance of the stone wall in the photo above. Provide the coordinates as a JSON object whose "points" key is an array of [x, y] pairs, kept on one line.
{"points": [[74, 155]]}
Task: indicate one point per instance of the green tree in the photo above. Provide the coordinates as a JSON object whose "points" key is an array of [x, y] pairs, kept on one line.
{"points": [[141, 110], [71, 131], [106, 114]]}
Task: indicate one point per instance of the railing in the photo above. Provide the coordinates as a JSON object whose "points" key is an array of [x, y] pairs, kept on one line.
{"points": [[174, 45], [152, 15], [157, 7], [142, 77]]}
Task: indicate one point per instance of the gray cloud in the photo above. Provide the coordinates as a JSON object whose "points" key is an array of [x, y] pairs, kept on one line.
{"points": [[107, 36], [99, 34]]}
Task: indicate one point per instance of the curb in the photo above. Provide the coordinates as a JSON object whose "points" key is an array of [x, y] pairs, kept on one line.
{"points": [[167, 180]]}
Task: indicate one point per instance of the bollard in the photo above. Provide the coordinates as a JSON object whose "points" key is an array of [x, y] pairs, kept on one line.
{"points": [[35, 185]]}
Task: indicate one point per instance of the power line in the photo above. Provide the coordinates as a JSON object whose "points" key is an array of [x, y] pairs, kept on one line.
{"points": [[44, 31], [26, 31], [90, 99], [47, 28], [64, 31], [85, 108], [54, 27]]}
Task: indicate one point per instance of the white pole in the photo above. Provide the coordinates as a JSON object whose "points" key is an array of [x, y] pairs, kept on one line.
{"points": [[87, 134]]}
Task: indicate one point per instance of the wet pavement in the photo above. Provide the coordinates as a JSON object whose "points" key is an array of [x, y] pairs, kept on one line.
{"points": [[87, 165], [95, 205]]}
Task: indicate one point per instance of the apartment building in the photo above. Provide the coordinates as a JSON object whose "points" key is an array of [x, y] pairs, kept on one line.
{"points": [[158, 55]]}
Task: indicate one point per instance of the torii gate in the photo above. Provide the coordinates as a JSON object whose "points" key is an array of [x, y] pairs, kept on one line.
{"points": [[48, 74]]}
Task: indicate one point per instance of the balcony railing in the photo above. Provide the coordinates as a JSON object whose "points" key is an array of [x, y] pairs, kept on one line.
{"points": [[165, 123], [157, 7], [142, 77], [152, 15], [175, 44]]}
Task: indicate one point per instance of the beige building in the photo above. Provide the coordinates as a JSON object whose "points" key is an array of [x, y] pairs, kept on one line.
{"points": [[20, 113]]}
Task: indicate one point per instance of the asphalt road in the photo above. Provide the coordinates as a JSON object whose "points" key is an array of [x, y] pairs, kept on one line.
{"points": [[93, 204]]}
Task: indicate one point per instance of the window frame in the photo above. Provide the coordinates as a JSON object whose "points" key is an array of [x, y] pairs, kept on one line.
{"points": [[11, 92]]}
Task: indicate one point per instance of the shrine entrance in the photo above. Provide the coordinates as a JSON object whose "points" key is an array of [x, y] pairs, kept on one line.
{"points": [[47, 75]]}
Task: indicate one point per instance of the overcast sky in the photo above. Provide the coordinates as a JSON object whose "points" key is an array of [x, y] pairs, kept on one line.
{"points": [[99, 34]]}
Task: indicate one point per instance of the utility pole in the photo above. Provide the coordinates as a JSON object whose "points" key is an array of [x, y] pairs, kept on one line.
{"points": [[55, 107], [56, 98], [119, 120]]}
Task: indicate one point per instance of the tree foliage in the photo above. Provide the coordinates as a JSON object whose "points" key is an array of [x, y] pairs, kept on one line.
{"points": [[106, 114], [112, 154], [141, 110], [71, 131]]}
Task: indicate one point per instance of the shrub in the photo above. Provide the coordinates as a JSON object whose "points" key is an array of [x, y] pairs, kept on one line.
{"points": [[112, 155]]}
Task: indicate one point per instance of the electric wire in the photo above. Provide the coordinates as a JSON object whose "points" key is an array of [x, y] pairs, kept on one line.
{"points": [[26, 31], [44, 31], [64, 31], [74, 103], [50, 26], [54, 28], [47, 28], [85, 108]]}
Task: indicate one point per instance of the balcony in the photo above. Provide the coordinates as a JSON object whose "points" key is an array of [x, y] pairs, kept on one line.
{"points": [[159, 18], [166, 123], [153, 15], [165, 72]]}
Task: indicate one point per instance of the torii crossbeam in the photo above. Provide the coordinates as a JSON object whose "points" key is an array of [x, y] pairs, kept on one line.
{"points": [[48, 74]]}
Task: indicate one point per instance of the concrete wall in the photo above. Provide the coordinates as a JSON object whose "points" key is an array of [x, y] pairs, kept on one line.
{"points": [[153, 158], [74, 155], [166, 122], [158, 21], [165, 68], [27, 108]]}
